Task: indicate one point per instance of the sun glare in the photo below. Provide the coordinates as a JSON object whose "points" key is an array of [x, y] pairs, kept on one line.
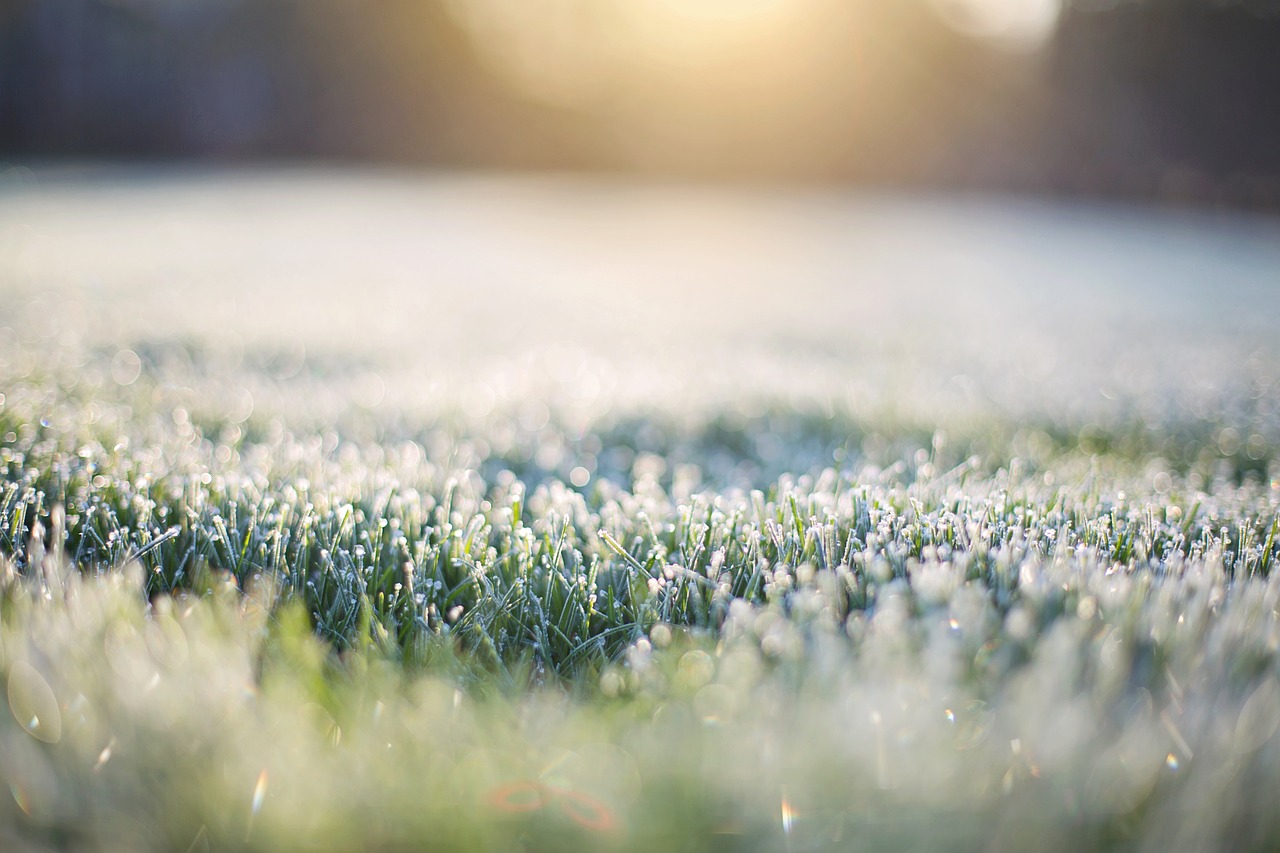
{"points": [[1017, 24], [695, 33], [679, 74], [718, 11], [570, 50]]}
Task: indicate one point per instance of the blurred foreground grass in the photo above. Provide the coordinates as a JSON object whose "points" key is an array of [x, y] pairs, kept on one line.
{"points": [[1060, 703]]}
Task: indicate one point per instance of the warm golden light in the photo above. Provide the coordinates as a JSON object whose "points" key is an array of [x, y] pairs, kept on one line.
{"points": [[724, 86], [558, 51], [717, 9], [578, 52], [705, 26], [1019, 24]]}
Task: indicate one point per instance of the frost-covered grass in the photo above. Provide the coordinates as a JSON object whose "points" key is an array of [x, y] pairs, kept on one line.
{"points": [[1006, 637], [258, 593]]}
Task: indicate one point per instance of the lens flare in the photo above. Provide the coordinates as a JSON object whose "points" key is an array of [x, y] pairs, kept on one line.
{"points": [[33, 703], [105, 755], [789, 814], [260, 791]]}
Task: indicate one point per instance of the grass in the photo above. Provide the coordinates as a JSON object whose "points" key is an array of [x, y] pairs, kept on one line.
{"points": [[282, 642], [383, 544], [242, 609]]}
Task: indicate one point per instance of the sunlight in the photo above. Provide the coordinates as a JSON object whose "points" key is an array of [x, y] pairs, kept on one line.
{"points": [[703, 31], [1017, 24], [573, 52], [718, 11]]}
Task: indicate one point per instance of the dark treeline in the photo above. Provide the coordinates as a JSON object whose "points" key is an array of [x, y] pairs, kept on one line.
{"points": [[1174, 98], [1167, 99]]}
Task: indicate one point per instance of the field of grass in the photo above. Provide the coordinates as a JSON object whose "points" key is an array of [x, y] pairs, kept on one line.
{"points": [[382, 512]]}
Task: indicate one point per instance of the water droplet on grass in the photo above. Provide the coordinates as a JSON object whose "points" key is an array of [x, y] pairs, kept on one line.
{"points": [[126, 367]]}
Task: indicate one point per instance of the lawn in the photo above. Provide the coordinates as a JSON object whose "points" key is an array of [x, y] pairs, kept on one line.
{"points": [[383, 511]]}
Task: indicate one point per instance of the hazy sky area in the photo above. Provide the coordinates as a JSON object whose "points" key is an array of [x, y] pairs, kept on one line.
{"points": [[1166, 100]]}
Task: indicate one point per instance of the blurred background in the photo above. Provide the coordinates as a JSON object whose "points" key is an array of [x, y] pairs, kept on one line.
{"points": [[1172, 101]]}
